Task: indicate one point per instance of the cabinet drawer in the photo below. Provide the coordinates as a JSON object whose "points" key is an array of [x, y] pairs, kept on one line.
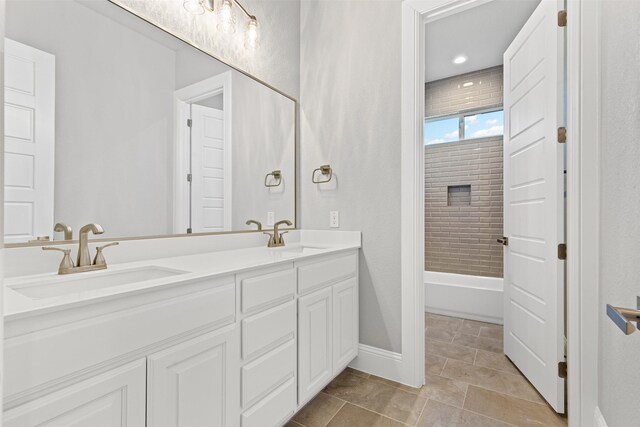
{"points": [[274, 409], [317, 274], [268, 329], [267, 372], [268, 289]]}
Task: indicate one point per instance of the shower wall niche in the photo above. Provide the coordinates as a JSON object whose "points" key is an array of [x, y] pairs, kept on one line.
{"points": [[463, 174]]}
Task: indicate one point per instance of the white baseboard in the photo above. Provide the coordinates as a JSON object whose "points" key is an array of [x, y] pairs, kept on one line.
{"points": [[598, 419], [379, 362]]}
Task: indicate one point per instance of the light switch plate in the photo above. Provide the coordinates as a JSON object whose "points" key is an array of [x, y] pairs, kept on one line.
{"points": [[334, 219], [271, 218]]}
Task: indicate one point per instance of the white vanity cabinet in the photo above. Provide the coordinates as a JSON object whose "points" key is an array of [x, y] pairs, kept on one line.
{"points": [[241, 350], [114, 398], [193, 383], [327, 320]]}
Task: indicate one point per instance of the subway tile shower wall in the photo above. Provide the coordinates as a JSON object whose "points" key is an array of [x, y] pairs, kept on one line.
{"points": [[462, 239]]}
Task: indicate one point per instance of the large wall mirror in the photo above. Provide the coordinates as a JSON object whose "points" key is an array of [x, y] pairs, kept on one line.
{"points": [[111, 120]]}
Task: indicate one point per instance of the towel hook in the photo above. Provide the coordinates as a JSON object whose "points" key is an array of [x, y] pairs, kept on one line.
{"points": [[277, 175], [324, 170]]}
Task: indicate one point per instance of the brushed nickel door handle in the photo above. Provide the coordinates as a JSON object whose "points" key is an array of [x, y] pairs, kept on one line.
{"points": [[626, 319]]}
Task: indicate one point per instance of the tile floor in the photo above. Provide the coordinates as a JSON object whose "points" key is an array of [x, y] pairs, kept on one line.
{"points": [[469, 382]]}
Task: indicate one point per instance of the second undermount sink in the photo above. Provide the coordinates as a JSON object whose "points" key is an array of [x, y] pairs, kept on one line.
{"points": [[50, 287], [300, 250]]}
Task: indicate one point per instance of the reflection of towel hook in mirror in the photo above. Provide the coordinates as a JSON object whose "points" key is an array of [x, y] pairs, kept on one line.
{"points": [[324, 170], [277, 176]]}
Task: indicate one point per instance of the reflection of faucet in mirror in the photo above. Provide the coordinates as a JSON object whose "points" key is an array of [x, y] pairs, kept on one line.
{"points": [[276, 239], [253, 221], [84, 258], [62, 227]]}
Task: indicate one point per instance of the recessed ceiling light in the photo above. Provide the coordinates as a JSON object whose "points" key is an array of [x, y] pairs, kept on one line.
{"points": [[460, 59]]}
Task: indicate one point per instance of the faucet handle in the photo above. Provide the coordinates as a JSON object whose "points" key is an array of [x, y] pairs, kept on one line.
{"points": [[66, 263], [282, 233], [99, 258]]}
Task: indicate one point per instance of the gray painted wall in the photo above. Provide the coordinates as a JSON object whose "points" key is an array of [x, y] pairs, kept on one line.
{"points": [[350, 118], [619, 375]]}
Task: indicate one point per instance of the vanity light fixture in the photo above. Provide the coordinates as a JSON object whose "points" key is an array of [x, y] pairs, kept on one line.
{"points": [[460, 59], [226, 18]]}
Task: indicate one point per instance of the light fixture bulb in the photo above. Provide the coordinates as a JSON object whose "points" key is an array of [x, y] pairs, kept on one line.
{"points": [[194, 7], [252, 34], [460, 59], [226, 19]]}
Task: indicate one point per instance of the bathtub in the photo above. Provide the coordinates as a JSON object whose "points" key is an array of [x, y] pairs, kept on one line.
{"points": [[460, 295]]}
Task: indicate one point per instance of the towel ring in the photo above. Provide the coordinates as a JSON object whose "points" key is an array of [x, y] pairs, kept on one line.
{"points": [[324, 170], [277, 175]]}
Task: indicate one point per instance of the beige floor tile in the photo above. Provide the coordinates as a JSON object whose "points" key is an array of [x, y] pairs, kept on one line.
{"points": [[353, 416], [480, 343], [293, 424], [502, 382], [495, 332], [440, 334], [437, 414], [404, 387], [356, 372], [450, 351], [319, 411], [433, 364], [378, 397], [500, 362], [510, 409], [445, 323], [471, 327], [444, 390]]}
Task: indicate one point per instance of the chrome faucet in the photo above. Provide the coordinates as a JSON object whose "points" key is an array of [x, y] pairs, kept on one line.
{"points": [[84, 262], [275, 239], [253, 221], [62, 227], [84, 257]]}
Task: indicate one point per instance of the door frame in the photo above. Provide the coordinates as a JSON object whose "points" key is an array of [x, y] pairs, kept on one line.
{"points": [[182, 100], [583, 116]]}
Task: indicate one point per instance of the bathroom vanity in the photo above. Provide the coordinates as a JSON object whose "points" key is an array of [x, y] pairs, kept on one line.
{"points": [[241, 337]]}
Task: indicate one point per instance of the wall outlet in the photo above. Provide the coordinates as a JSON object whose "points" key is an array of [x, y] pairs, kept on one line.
{"points": [[334, 219], [271, 218]]}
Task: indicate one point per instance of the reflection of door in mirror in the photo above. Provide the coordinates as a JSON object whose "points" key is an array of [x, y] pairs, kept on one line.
{"points": [[209, 210], [29, 142]]}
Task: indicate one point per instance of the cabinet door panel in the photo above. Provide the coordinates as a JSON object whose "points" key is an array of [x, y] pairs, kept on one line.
{"points": [[114, 398], [195, 383], [345, 323], [314, 343]]}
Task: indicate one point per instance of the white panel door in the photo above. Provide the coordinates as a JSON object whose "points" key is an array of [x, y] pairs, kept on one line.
{"points": [[345, 323], [196, 383], [29, 117], [114, 398], [209, 212], [534, 202], [314, 343]]}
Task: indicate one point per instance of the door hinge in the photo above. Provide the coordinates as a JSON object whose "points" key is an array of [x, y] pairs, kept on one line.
{"points": [[562, 369], [562, 135], [189, 122], [504, 241], [189, 177], [562, 18], [562, 251], [189, 230]]}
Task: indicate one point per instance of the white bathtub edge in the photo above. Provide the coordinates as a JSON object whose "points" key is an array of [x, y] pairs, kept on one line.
{"points": [[469, 297]]}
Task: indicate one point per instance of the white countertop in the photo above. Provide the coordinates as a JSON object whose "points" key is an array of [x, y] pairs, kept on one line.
{"points": [[212, 264]]}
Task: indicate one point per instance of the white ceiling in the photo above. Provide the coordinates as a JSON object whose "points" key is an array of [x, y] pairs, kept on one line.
{"points": [[482, 34]]}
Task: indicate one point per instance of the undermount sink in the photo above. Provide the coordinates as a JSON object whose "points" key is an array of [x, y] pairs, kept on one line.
{"points": [[51, 287], [300, 250]]}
